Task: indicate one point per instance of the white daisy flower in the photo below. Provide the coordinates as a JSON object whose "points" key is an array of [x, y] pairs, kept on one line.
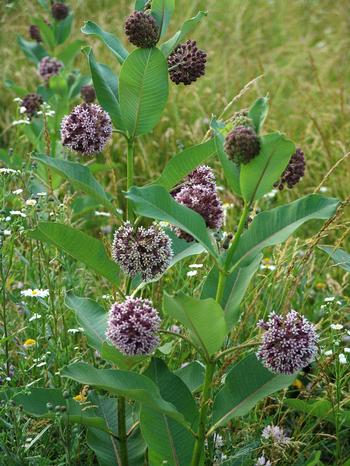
{"points": [[36, 293], [342, 358], [35, 317], [192, 273], [17, 191], [337, 326], [31, 202]]}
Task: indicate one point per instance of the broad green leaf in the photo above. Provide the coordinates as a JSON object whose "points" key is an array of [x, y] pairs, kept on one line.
{"points": [[205, 319], [143, 90], [80, 177], [187, 27], [70, 52], [168, 440], [231, 170], [106, 87], [34, 402], [340, 257], [106, 446], [275, 226], [315, 460], [236, 285], [122, 383], [258, 176], [258, 112], [63, 29], [155, 202], [32, 50], [110, 40], [182, 248], [318, 408], [79, 82], [192, 375], [247, 383], [46, 32], [140, 5], [162, 11], [185, 162], [86, 249]]}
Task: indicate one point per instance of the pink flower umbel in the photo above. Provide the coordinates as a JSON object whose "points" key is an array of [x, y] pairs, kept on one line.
{"points": [[289, 343], [132, 326]]}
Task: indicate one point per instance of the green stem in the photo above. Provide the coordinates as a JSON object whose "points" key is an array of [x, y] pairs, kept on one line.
{"points": [[237, 237], [123, 448], [130, 177], [205, 400], [221, 287]]}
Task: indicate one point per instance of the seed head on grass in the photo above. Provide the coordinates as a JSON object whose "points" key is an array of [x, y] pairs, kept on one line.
{"points": [[133, 325], [289, 343]]}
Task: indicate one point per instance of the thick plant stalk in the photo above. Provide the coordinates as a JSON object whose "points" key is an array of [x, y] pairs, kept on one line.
{"points": [[237, 237], [205, 400], [123, 447], [130, 177]]}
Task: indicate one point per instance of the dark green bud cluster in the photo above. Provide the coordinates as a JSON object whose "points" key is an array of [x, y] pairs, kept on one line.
{"points": [[242, 118], [142, 29], [242, 144]]}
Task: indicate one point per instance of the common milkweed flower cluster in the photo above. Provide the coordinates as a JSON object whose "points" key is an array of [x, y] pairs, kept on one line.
{"points": [[289, 343]]}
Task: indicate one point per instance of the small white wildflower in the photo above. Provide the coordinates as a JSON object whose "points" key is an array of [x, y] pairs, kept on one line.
{"points": [[330, 299], [22, 109], [7, 232], [195, 266], [192, 273], [346, 350], [119, 211], [324, 189], [18, 212], [8, 219], [17, 99], [339, 303], [106, 296], [220, 188], [17, 191], [35, 317], [31, 202], [271, 194], [102, 214], [8, 171], [21, 122], [262, 461], [328, 353], [275, 433], [337, 326], [342, 358], [36, 293], [75, 330]]}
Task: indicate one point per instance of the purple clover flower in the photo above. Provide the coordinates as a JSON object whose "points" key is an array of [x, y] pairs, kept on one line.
{"points": [[133, 325], [87, 129], [289, 343]]}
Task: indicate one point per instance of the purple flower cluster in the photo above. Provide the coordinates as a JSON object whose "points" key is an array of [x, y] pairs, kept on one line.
{"points": [[32, 103], [133, 325], [87, 129], [34, 33], [198, 192], [242, 144], [187, 63], [294, 171], [49, 67], [59, 11], [289, 343], [276, 434], [142, 29], [146, 251]]}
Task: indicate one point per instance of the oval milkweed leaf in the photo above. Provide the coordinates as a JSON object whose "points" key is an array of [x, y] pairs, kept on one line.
{"points": [[143, 90]]}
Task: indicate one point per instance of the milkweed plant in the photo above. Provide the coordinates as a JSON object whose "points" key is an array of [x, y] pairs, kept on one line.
{"points": [[136, 409]]}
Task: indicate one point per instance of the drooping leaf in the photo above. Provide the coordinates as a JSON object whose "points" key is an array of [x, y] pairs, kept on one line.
{"points": [[90, 251], [275, 226], [340, 257], [79, 176], [35, 400], [247, 383], [110, 40], [143, 90], [162, 11], [32, 50], [192, 375], [122, 383], [259, 175], [319, 408], [187, 27], [258, 112], [236, 285], [205, 320], [168, 440], [185, 162], [106, 87], [155, 202]]}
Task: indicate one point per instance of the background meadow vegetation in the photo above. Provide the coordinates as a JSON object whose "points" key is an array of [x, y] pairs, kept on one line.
{"points": [[298, 53]]}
